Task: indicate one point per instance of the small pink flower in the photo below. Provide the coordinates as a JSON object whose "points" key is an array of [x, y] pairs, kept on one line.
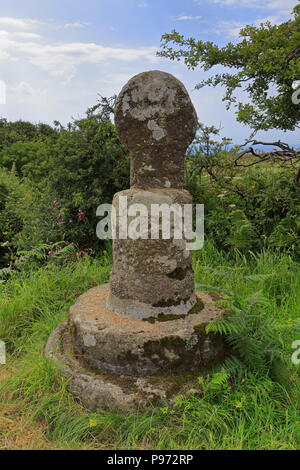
{"points": [[70, 221], [81, 214]]}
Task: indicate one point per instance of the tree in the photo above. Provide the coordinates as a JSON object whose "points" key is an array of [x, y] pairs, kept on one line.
{"points": [[27, 158], [23, 131], [265, 61]]}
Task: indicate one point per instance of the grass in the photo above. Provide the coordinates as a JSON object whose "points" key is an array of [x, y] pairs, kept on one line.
{"points": [[250, 409]]}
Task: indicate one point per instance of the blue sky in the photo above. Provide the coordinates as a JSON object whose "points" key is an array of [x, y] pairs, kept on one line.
{"points": [[57, 56]]}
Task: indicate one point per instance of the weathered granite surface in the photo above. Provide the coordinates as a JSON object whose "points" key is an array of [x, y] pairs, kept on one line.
{"points": [[156, 120], [152, 276], [114, 343]]}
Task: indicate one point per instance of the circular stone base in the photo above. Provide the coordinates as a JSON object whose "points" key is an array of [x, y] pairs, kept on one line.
{"points": [[99, 390], [115, 343], [116, 361]]}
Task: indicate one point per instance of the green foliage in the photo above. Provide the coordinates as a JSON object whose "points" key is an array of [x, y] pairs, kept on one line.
{"points": [[265, 60], [206, 156], [242, 232], [27, 158], [14, 193], [64, 175], [32, 297], [23, 131], [252, 334], [215, 384], [27, 217], [286, 233], [88, 166], [245, 208]]}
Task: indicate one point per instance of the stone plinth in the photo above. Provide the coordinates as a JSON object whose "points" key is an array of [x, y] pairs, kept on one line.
{"points": [[113, 343], [117, 361]]}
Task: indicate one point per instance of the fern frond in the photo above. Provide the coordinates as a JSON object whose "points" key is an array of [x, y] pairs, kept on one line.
{"points": [[5, 273]]}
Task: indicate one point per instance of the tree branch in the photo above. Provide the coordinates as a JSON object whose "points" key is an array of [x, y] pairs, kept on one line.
{"points": [[285, 154]]}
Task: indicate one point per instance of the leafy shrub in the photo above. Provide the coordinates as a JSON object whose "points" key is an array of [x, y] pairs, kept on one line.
{"points": [[13, 194], [28, 218], [68, 173], [245, 208], [89, 164], [23, 131], [27, 158]]}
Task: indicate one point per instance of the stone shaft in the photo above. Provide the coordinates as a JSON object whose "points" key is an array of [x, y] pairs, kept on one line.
{"points": [[156, 120], [152, 276]]}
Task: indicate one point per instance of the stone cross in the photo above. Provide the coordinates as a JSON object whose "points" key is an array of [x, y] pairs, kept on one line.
{"points": [[156, 120], [122, 340]]}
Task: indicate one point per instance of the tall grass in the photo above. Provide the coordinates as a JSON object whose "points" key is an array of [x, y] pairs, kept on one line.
{"points": [[248, 410]]}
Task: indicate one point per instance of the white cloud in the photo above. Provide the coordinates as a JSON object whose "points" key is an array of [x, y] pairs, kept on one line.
{"points": [[75, 25], [282, 6], [226, 2], [229, 28], [272, 19], [232, 28], [62, 59], [142, 5], [185, 18], [24, 89], [110, 84], [25, 35], [239, 2], [18, 23]]}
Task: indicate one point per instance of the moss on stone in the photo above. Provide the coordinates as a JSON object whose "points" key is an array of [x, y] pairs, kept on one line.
{"points": [[127, 358], [178, 273], [199, 305], [162, 317], [169, 302]]}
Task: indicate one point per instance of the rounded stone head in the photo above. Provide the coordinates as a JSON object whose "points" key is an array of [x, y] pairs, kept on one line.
{"points": [[157, 121]]}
